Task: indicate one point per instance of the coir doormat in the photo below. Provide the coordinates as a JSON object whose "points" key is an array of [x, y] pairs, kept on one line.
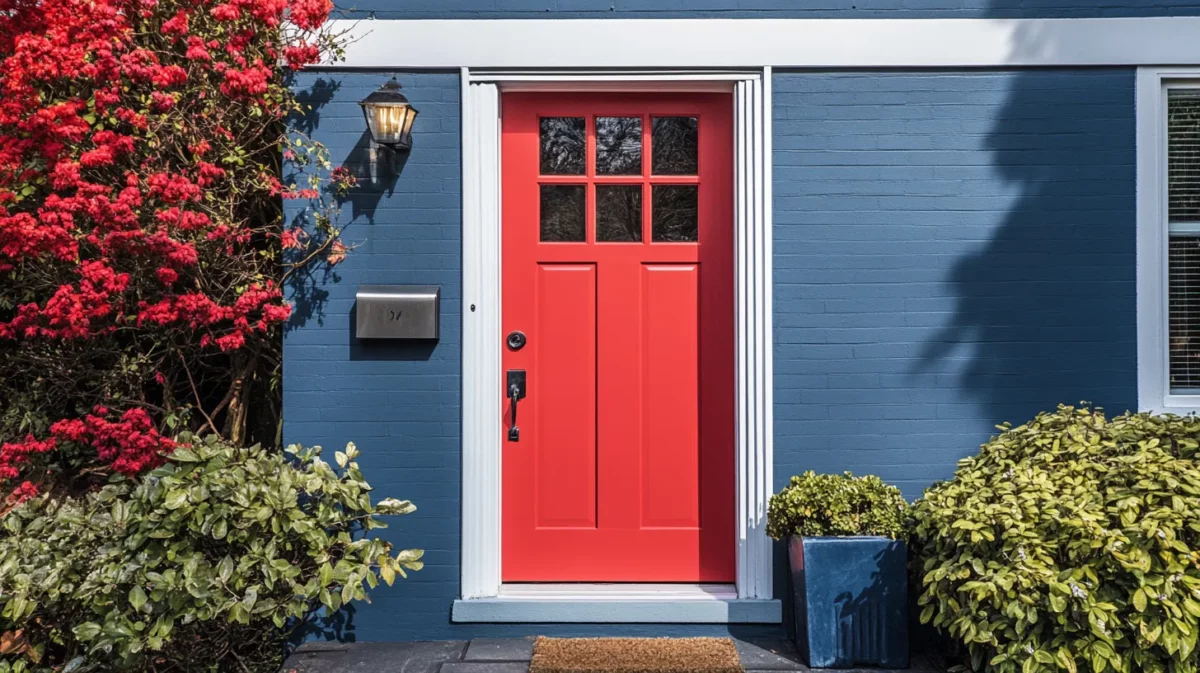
{"points": [[635, 655]]}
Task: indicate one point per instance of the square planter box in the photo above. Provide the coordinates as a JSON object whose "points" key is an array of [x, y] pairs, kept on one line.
{"points": [[851, 598]]}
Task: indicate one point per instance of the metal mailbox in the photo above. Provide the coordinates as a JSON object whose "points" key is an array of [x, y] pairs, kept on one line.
{"points": [[398, 311]]}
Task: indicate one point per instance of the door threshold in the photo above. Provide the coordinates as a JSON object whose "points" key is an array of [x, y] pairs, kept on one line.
{"points": [[618, 603]]}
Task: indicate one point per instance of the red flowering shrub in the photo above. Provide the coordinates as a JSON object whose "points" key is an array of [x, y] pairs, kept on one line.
{"points": [[141, 236]]}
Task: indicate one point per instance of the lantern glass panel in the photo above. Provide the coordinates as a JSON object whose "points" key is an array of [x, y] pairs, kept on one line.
{"points": [[390, 124]]}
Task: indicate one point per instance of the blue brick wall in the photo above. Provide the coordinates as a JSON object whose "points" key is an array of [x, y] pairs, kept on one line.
{"points": [[399, 404], [843, 9], [952, 250]]}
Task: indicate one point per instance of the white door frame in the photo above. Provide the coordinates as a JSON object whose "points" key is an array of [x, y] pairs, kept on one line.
{"points": [[484, 597]]}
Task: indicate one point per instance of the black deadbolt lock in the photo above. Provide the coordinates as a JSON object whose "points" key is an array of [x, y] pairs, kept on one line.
{"points": [[516, 340]]}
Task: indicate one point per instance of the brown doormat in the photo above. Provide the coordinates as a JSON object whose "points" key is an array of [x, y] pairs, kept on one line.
{"points": [[635, 655]]}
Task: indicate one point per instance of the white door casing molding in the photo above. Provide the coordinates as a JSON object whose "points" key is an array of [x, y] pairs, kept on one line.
{"points": [[481, 387], [781, 43], [484, 598]]}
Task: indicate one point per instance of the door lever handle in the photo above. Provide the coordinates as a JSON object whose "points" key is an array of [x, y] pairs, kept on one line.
{"points": [[516, 391], [514, 394]]}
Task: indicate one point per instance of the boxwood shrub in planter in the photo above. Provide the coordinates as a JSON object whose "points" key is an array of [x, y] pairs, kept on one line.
{"points": [[848, 569], [1070, 543]]}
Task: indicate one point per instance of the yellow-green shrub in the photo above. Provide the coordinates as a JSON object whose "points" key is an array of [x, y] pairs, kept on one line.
{"points": [[1069, 543], [836, 504]]}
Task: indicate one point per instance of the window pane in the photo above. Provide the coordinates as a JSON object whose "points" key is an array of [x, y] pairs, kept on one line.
{"points": [[618, 145], [562, 212], [619, 213], [1183, 155], [674, 212], [563, 145], [1184, 267], [675, 142]]}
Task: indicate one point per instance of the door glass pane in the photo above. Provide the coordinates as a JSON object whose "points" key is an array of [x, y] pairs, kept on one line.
{"points": [[618, 213], [562, 212], [675, 141], [563, 145], [674, 216], [618, 145]]}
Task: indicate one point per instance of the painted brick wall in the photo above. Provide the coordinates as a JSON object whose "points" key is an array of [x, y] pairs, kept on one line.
{"points": [[952, 250], [399, 404], [424, 9]]}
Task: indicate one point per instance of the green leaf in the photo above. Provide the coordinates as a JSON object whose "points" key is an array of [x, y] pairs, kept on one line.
{"points": [[175, 499], [1064, 660], [926, 614], [225, 569], [86, 631], [137, 597]]}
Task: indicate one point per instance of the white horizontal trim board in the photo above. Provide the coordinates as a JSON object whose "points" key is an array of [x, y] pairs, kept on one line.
{"points": [[614, 603], [782, 43]]}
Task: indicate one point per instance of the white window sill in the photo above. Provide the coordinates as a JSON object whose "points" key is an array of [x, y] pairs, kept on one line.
{"points": [[616, 603], [1178, 411]]}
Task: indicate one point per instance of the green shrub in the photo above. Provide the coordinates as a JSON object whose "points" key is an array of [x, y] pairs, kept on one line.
{"points": [[203, 564], [836, 504], [1069, 543]]}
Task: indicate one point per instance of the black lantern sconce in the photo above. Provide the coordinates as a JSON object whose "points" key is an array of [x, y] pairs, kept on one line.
{"points": [[389, 117]]}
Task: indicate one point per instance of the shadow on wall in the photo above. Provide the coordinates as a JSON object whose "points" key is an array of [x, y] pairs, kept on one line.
{"points": [[1045, 309], [336, 627], [377, 170], [311, 101]]}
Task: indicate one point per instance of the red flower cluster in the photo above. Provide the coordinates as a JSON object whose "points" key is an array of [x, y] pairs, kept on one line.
{"points": [[132, 192], [130, 444]]}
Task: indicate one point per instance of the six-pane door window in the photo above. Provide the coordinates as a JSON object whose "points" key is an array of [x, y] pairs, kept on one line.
{"points": [[600, 163]]}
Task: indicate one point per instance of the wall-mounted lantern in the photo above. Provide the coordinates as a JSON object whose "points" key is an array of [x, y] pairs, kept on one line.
{"points": [[389, 117]]}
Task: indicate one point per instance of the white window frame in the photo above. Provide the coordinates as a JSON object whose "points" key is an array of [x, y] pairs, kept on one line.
{"points": [[1154, 393], [484, 597]]}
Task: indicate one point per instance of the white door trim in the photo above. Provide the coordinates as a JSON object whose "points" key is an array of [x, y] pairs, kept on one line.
{"points": [[782, 43], [483, 597]]}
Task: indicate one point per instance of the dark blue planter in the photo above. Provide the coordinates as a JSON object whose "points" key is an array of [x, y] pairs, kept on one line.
{"points": [[851, 598]]}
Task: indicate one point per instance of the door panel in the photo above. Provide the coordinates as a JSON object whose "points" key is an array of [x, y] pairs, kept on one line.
{"points": [[617, 236], [564, 374], [670, 377]]}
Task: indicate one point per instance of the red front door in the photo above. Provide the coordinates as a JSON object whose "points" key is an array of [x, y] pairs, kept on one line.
{"points": [[617, 227]]}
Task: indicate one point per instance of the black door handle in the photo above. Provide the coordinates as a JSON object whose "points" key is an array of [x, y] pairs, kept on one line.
{"points": [[516, 391], [514, 394]]}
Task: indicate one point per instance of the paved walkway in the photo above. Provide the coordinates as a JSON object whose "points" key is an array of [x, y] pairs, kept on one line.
{"points": [[499, 655]]}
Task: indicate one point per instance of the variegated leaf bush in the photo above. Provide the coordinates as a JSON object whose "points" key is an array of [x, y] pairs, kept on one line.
{"points": [[1070, 543], [206, 563], [836, 504]]}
